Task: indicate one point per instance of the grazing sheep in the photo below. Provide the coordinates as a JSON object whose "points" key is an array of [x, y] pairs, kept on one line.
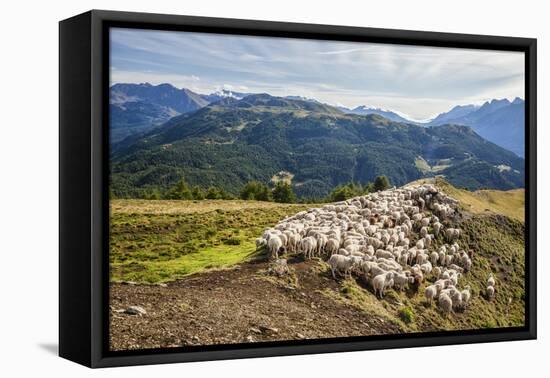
{"points": [[293, 241], [339, 263], [452, 234], [437, 228], [456, 268], [260, 242], [491, 281], [426, 268], [401, 280], [434, 257], [465, 295], [424, 231], [428, 240], [381, 282], [332, 246], [384, 254], [379, 234], [454, 278], [376, 270], [430, 293], [490, 290], [421, 258], [445, 302], [425, 222], [308, 245], [274, 244], [467, 265], [437, 272]]}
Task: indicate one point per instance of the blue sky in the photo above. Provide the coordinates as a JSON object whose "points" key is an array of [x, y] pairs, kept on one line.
{"points": [[419, 82]]}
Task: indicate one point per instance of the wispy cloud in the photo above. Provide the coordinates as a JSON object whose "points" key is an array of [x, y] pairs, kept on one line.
{"points": [[337, 52]]}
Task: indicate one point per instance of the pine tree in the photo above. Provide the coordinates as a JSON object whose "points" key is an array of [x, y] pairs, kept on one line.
{"points": [[180, 191], [197, 193], [283, 193], [213, 193], [381, 183]]}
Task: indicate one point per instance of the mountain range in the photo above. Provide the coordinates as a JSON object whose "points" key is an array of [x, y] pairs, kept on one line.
{"points": [[258, 137], [136, 108], [500, 121]]}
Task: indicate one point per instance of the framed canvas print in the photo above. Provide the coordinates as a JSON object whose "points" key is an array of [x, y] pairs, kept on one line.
{"points": [[233, 188]]}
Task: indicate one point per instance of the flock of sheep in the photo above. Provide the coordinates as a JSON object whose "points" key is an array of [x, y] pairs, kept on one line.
{"points": [[385, 237]]}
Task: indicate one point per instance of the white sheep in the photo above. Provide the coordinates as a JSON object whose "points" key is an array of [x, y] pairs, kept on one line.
{"points": [[465, 295], [424, 231], [490, 290], [339, 263], [308, 245], [381, 282], [260, 242], [401, 280], [384, 254], [437, 228], [332, 245], [437, 272], [445, 302], [452, 234], [274, 244], [430, 293], [426, 268], [434, 257]]}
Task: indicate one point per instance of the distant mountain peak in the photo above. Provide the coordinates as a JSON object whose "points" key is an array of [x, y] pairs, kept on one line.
{"points": [[164, 85], [389, 114], [228, 93], [503, 101], [498, 120], [518, 100]]}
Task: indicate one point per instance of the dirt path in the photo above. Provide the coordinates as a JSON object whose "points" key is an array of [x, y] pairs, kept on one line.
{"points": [[244, 304]]}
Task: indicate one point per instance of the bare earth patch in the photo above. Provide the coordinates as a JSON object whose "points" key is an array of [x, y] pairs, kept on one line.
{"points": [[243, 304]]}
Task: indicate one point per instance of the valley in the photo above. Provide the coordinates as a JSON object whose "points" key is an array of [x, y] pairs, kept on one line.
{"points": [[232, 142]]}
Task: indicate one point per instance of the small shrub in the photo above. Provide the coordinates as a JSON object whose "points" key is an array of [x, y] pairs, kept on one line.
{"points": [[406, 314], [232, 241], [210, 232]]}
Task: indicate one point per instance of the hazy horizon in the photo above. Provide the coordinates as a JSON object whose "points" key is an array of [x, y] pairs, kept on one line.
{"points": [[415, 81]]}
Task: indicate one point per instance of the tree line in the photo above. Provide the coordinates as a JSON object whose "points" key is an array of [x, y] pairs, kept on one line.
{"points": [[280, 192]]}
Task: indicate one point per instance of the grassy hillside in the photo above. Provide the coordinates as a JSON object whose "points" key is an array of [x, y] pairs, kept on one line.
{"points": [[510, 203], [159, 241]]}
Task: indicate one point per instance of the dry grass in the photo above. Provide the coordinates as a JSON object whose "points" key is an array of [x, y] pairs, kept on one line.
{"points": [[169, 207], [510, 203]]}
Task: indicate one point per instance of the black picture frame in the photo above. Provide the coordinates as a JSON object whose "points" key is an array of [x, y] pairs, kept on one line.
{"points": [[83, 181]]}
